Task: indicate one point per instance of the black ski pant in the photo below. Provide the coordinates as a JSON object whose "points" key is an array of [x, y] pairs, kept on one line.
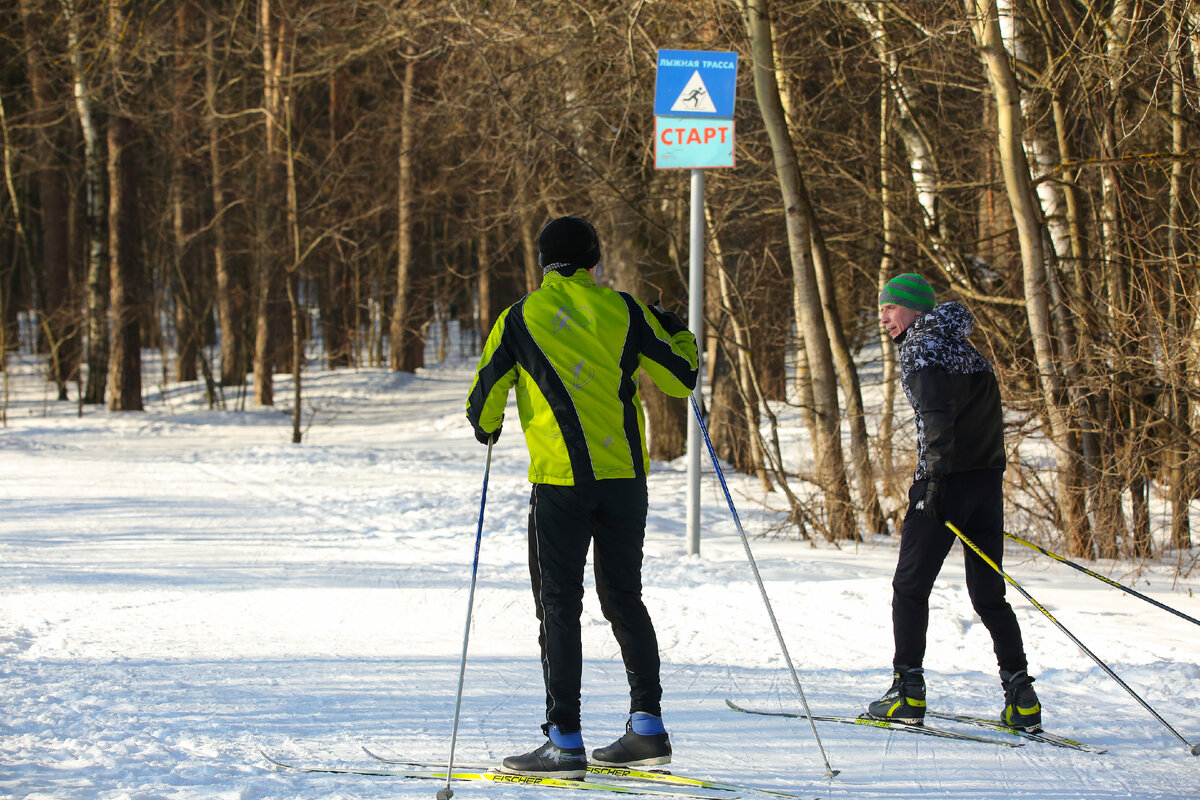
{"points": [[974, 502], [563, 521]]}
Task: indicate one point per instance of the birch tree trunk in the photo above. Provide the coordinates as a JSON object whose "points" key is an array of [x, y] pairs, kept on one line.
{"points": [[96, 287], [887, 269], [266, 268], [905, 96], [1026, 213]]}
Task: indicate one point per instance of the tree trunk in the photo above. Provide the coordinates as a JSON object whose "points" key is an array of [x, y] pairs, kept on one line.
{"points": [[887, 269], [60, 324], [827, 446], [407, 349], [1179, 466], [267, 272], [96, 288], [186, 281], [1025, 209], [124, 233], [124, 269], [744, 447], [529, 231], [231, 292], [292, 278]]}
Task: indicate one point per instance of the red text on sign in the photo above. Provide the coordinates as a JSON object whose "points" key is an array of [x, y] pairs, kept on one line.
{"points": [[678, 136]]}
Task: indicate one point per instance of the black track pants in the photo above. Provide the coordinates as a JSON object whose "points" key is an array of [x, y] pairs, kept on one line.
{"points": [[563, 521], [974, 502]]}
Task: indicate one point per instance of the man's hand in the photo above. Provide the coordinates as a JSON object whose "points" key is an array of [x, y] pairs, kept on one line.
{"points": [[931, 504], [486, 437], [671, 323]]}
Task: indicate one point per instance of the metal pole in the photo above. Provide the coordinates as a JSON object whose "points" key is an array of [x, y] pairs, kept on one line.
{"points": [[829, 770], [1193, 749], [445, 793], [1100, 577], [696, 322]]}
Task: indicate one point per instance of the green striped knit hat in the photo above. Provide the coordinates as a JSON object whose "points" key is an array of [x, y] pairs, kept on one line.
{"points": [[909, 290]]}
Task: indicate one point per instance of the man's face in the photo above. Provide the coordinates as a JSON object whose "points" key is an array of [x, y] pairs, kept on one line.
{"points": [[896, 318]]}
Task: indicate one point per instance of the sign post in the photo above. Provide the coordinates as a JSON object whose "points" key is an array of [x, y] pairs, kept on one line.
{"points": [[694, 96]]}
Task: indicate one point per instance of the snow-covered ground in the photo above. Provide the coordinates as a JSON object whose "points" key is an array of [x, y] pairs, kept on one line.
{"points": [[181, 587]]}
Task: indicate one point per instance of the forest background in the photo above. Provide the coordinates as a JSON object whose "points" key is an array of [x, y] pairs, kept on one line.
{"points": [[241, 185]]}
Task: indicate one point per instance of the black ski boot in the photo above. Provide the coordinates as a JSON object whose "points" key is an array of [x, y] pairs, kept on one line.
{"points": [[1021, 707], [905, 700], [635, 750], [551, 760]]}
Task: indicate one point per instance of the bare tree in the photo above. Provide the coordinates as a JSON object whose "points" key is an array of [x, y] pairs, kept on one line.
{"points": [[831, 471], [97, 281], [61, 320], [406, 340]]}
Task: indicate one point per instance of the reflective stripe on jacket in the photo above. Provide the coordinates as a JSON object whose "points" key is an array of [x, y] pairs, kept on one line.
{"points": [[573, 350]]}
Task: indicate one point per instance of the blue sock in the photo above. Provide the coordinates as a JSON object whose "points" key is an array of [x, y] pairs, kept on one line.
{"points": [[647, 724], [567, 741]]}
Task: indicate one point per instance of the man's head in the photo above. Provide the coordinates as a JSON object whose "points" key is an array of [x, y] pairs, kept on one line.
{"points": [[569, 240], [903, 299]]}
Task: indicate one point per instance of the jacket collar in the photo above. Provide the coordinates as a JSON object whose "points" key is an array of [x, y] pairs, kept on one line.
{"points": [[580, 275]]}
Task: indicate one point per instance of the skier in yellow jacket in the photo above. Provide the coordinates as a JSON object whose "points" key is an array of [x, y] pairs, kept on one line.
{"points": [[573, 350]]}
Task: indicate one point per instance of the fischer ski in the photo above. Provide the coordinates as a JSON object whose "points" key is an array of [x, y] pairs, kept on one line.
{"points": [[872, 722], [495, 777], [1035, 736], [615, 773]]}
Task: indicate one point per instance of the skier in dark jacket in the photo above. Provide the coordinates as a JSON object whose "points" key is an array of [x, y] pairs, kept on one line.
{"points": [[959, 478]]}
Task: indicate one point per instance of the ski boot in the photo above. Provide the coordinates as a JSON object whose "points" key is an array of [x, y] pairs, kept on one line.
{"points": [[562, 756], [905, 700], [1021, 707], [645, 744]]}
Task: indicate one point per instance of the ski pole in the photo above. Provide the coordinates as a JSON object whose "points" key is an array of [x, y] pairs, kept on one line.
{"points": [[829, 771], [445, 793], [1194, 749], [1100, 577]]}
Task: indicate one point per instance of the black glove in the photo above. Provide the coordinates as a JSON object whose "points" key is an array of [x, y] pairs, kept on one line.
{"points": [[671, 323], [931, 504], [484, 437]]}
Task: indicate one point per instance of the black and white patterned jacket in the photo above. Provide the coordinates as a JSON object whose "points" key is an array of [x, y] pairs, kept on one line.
{"points": [[953, 392]]}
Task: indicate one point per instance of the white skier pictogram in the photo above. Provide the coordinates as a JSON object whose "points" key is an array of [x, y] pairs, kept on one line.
{"points": [[695, 96]]}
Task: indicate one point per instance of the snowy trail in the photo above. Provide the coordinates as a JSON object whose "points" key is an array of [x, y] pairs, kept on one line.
{"points": [[181, 587]]}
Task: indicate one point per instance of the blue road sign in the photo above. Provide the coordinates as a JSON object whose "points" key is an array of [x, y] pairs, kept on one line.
{"points": [[695, 83]]}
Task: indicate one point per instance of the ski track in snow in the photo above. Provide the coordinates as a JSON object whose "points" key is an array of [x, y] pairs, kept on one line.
{"points": [[182, 586]]}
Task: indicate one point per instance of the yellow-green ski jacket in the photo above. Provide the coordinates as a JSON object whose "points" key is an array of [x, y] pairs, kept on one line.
{"points": [[573, 350]]}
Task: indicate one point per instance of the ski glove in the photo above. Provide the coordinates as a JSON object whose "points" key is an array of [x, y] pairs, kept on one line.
{"points": [[484, 437], [671, 323], [931, 504]]}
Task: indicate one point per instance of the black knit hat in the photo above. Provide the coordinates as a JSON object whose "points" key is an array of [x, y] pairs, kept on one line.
{"points": [[569, 240]]}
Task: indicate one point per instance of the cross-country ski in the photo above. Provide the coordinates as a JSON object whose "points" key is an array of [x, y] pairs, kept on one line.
{"points": [[882, 724], [485, 776], [614, 773]]}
